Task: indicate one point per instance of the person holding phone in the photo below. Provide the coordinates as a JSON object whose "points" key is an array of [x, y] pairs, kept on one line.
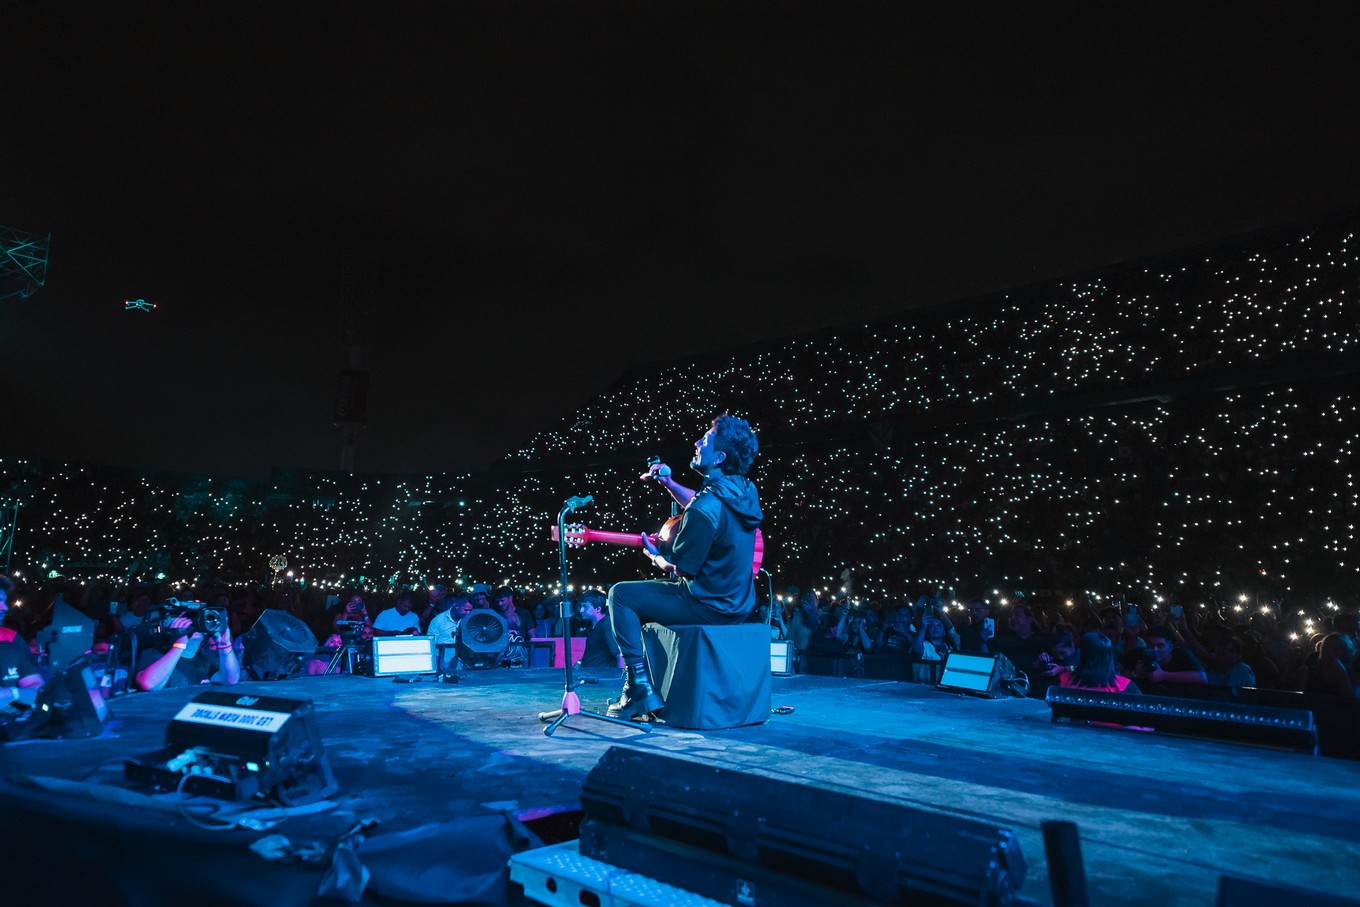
{"points": [[1164, 667], [978, 630], [1024, 644]]}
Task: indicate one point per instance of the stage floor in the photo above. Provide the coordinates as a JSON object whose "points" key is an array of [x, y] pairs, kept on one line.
{"points": [[1160, 817]]}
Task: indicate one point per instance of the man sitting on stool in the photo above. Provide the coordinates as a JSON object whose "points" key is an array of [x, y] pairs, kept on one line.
{"points": [[709, 558]]}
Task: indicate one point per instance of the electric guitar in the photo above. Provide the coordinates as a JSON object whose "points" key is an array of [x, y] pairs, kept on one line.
{"points": [[578, 536]]}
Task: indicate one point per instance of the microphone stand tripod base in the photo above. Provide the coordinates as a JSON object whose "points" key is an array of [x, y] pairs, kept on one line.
{"points": [[571, 703]]}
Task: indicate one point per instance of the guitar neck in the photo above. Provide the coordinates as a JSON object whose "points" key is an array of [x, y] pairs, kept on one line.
{"points": [[580, 535], [632, 539]]}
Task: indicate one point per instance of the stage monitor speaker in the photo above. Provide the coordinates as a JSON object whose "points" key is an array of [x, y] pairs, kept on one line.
{"points": [[232, 746], [70, 704], [754, 841], [483, 637], [977, 673], [68, 637], [1262, 725], [276, 645], [394, 655], [781, 657]]}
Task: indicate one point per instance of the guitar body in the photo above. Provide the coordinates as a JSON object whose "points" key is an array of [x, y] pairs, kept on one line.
{"points": [[579, 535]]}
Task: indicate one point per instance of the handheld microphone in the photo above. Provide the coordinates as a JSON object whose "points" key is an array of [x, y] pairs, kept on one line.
{"points": [[661, 473]]}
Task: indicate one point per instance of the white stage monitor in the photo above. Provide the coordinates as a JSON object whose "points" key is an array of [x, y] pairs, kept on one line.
{"points": [[781, 657], [970, 673], [403, 655]]}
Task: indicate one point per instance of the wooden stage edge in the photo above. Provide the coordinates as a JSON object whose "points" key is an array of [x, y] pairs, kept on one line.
{"points": [[1160, 817]]}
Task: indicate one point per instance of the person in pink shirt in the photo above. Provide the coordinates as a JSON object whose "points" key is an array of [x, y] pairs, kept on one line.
{"points": [[1096, 668]]}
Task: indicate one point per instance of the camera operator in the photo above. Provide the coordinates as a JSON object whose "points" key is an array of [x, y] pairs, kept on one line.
{"points": [[1165, 668], [189, 660]]}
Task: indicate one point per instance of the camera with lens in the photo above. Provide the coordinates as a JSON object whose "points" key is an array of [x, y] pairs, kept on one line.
{"points": [[205, 619], [351, 631]]}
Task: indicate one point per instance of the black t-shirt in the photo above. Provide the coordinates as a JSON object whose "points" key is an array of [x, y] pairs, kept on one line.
{"points": [[602, 649], [1023, 653], [188, 672], [16, 661], [1182, 659]]}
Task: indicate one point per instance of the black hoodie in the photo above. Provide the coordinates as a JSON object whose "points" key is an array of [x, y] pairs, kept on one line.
{"points": [[715, 544]]}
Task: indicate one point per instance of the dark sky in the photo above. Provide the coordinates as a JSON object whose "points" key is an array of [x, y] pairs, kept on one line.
{"points": [[512, 203]]}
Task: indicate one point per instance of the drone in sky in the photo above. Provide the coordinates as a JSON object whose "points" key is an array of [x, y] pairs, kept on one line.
{"points": [[138, 305]]}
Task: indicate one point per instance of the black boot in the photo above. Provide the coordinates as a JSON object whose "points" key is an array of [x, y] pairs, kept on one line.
{"points": [[639, 698]]}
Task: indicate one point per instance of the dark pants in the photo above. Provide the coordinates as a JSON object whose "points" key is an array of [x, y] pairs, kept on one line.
{"points": [[658, 601]]}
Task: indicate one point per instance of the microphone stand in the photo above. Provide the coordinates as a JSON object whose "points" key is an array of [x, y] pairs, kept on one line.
{"points": [[571, 703]]}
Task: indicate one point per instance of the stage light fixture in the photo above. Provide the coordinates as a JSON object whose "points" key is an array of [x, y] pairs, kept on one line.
{"points": [[233, 746], [483, 637], [394, 655], [1261, 725]]}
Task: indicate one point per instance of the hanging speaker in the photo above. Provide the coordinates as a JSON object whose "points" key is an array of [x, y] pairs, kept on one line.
{"points": [[351, 397], [482, 639], [276, 645]]}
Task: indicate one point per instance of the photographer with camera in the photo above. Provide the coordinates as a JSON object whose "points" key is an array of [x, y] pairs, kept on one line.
{"points": [[1164, 668], [188, 649]]}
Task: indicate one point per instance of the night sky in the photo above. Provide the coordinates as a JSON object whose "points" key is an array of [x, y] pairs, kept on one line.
{"points": [[509, 204]]}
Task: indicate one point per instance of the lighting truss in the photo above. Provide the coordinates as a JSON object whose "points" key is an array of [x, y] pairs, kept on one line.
{"points": [[23, 262]]}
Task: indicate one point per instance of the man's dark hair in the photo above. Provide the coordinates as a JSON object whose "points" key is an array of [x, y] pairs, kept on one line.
{"points": [[455, 601], [591, 598], [735, 438], [1160, 633], [503, 592], [405, 596]]}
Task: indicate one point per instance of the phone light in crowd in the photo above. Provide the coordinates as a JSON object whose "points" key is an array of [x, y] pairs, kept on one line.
{"points": [[1069, 603], [1237, 607], [1242, 598], [1265, 610]]}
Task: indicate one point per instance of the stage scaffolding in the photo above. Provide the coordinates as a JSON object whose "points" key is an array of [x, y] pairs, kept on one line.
{"points": [[23, 262]]}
